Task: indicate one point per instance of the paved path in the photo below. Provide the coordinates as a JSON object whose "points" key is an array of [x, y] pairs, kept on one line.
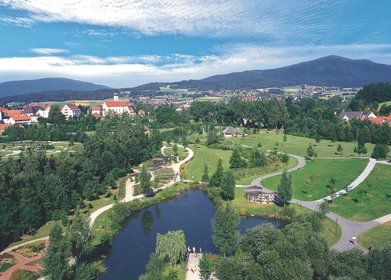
{"points": [[24, 263], [349, 228], [192, 269]]}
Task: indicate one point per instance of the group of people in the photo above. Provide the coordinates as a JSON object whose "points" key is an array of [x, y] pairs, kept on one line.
{"points": [[194, 250]]}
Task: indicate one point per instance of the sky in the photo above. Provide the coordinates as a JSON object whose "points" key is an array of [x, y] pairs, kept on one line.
{"points": [[125, 43]]}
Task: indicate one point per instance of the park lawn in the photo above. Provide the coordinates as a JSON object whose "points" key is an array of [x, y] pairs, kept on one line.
{"points": [[311, 182], [377, 237], [370, 200], [388, 103], [298, 145], [244, 176], [202, 155], [245, 207]]}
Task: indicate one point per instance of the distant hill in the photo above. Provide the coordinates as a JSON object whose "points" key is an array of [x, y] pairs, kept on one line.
{"points": [[325, 71], [13, 88]]}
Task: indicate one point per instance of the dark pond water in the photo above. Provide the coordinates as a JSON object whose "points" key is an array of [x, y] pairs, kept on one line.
{"points": [[191, 211]]}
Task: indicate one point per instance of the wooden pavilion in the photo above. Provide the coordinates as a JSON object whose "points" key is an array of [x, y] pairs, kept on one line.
{"points": [[257, 194]]}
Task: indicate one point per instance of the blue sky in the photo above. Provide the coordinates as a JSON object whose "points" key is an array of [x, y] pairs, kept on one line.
{"points": [[123, 43]]}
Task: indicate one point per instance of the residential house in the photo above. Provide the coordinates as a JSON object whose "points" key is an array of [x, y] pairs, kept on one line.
{"points": [[230, 131], [30, 110], [25, 120], [44, 112], [348, 116], [115, 108], [381, 120], [95, 111], [70, 111]]}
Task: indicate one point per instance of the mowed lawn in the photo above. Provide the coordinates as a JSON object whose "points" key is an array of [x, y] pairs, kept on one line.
{"points": [[377, 237], [298, 145], [204, 155], [329, 230], [370, 200], [311, 182]]}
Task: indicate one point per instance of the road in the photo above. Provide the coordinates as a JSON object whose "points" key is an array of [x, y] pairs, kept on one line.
{"points": [[349, 228]]}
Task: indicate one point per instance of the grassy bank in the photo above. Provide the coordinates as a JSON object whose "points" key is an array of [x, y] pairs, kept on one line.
{"points": [[377, 237], [370, 200], [313, 181]]}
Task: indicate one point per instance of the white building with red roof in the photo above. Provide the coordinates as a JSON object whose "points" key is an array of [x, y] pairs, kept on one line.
{"points": [[70, 111], [44, 112], [26, 120], [116, 108]]}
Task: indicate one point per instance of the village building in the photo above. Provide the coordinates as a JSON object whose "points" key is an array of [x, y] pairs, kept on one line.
{"points": [[30, 110], [259, 195], [25, 120], [70, 111], [381, 120], [116, 108], [230, 131], [348, 116], [4, 127], [44, 112]]}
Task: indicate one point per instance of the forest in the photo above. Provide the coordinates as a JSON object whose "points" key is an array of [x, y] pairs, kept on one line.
{"points": [[35, 189]]}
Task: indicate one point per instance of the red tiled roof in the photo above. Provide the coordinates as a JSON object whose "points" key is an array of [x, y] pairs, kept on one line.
{"points": [[21, 118], [48, 106], [11, 113], [95, 108], [73, 106], [4, 126], [116, 103], [98, 116], [36, 105]]}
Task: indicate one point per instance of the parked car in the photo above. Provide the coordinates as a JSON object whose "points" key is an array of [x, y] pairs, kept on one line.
{"points": [[150, 194]]}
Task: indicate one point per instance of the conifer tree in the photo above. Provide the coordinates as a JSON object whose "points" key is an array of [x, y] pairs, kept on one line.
{"points": [[285, 187]]}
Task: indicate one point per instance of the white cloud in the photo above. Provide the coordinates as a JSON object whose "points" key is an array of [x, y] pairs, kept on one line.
{"points": [[136, 70], [198, 17], [48, 51]]}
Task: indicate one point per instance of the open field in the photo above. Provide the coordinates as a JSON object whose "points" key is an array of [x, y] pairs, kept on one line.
{"points": [[204, 155], [209, 98], [249, 208], [14, 149], [370, 200], [313, 181], [298, 145], [388, 103], [377, 237], [39, 233]]}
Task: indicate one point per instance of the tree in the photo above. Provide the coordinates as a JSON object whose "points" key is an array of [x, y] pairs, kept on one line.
{"points": [[171, 247], [284, 138], [228, 186], [360, 149], [175, 149], [380, 151], [55, 115], [340, 149], [285, 187], [310, 151], [205, 175], [144, 179], [217, 177], [56, 260], [258, 159], [236, 160], [285, 158], [205, 266], [225, 232]]}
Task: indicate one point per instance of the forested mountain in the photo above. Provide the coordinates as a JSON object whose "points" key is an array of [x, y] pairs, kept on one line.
{"points": [[13, 88], [327, 71]]}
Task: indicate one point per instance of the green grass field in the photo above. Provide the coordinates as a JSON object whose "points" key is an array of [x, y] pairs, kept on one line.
{"points": [[298, 145], [249, 208], [311, 182], [377, 237], [204, 155], [182, 153], [14, 149], [370, 200], [388, 103]]}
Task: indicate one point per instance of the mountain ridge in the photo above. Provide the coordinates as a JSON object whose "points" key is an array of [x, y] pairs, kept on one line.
{"points": [[24, 87]]}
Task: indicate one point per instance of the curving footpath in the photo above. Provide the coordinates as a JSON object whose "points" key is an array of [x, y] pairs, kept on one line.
{"points": [[349, 228]]}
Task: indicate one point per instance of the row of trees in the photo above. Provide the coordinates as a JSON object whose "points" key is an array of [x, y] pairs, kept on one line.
{"points": [[222, 182]]}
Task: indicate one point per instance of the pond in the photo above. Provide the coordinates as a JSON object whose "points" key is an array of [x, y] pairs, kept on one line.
{"points": [[191, 211]]}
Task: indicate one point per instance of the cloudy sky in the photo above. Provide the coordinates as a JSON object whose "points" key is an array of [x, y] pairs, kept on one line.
{"points": [[123, 43]]}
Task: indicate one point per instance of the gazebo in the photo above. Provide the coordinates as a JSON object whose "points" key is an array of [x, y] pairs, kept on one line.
{"points": [[257, 194]]}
